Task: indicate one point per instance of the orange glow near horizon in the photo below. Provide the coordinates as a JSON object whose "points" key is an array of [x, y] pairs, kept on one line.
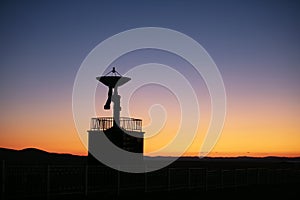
{"points": [[266, 125], [253, 127]]}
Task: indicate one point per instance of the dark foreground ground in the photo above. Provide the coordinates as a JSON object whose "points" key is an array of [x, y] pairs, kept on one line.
{"points": [[254, 192], [33, 174]]}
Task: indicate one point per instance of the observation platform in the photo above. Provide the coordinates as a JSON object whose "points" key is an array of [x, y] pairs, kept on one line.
{"points": [[105, 123]]}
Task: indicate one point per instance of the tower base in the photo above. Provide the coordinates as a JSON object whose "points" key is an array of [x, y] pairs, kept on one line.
{"points": [[114, 139]]}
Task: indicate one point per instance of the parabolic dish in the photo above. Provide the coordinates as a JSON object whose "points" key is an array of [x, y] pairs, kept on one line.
{"points": [[113, 81]]}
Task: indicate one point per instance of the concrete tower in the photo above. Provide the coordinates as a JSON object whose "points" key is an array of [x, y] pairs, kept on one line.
{"points": [[121, 131]]}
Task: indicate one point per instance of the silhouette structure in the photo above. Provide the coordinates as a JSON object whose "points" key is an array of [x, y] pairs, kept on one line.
{"points": [[121, 131]]}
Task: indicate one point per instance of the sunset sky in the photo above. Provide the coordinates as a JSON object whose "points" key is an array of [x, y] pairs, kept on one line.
{"points": [[255, 44]]}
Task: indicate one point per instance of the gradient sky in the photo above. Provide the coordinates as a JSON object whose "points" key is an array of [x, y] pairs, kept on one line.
{"points": [[255, 44]]}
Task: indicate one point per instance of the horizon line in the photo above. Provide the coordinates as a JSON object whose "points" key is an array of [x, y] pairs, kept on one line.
{"points": [[236, 155]]}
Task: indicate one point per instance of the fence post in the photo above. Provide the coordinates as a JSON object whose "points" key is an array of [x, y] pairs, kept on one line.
{"points": [[206, 179], [146, 178], [169, 179], [86, 181], [3, 180], [48, 181], [222, 179], [258, 176], [235, 179], [189, 178], [118, 179]]}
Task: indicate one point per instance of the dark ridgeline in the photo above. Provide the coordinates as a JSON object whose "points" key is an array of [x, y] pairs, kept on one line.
{"points": [[33, 156], [36, 174]]}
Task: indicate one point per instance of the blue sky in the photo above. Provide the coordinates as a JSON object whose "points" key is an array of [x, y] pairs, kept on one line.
{"points": [[255, 44]]}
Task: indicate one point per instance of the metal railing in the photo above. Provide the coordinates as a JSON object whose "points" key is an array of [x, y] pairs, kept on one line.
{"points": [[104, 123], [49, 181]]}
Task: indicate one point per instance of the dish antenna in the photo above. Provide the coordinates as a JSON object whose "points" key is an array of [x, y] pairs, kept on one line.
{"points": [[113, 80]]}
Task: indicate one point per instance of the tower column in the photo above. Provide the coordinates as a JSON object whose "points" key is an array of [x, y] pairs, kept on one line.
{"points": [[117, 108]]}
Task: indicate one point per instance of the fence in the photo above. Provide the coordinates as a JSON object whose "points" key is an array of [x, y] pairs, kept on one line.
{"points": [[52, 180]]}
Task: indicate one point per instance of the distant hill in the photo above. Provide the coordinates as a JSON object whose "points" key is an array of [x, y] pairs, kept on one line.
{"points": [[37, 156]]}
